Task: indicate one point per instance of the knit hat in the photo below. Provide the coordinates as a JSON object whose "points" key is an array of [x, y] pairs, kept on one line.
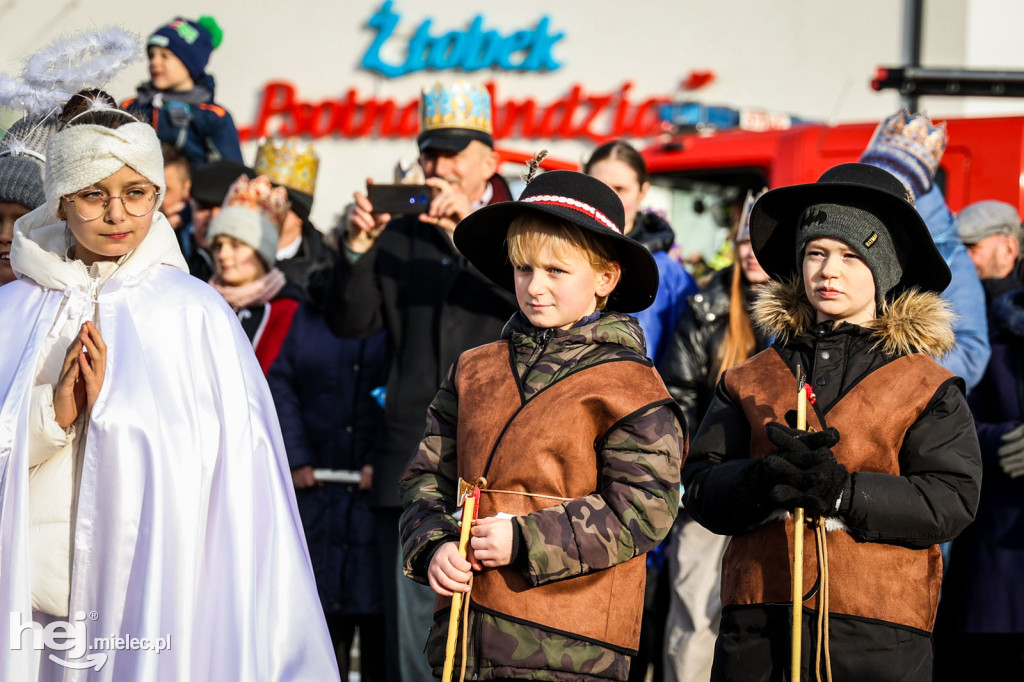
{"points": [[985, 218], [253, 213], [211, 181], [451, 117], [80, 155], [575, 198], [910, 148], [190, 41], [862, 206], [292, 165], [22, 160]]}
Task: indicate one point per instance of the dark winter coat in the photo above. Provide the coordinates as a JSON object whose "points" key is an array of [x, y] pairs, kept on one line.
{"points": [[190, 121], [931, 501], [434, 305], [690, 365], [981, 593], [322, 390]]}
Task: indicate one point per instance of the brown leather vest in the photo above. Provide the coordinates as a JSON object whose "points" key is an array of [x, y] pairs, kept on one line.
{"points": [[547, 446], [868, 579]]}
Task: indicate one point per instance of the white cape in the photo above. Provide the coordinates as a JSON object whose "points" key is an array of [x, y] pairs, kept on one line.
{"points": [[187, 532]]}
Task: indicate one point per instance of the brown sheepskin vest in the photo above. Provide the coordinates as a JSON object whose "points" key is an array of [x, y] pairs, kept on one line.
{"points": [[548, 446], [867, 579]]}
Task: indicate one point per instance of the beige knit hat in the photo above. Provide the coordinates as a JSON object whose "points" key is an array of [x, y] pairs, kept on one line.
{"points": [[253, 213]]}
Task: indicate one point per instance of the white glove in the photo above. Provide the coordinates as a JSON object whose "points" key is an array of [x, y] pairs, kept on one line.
{"points": [[1011, 452]]}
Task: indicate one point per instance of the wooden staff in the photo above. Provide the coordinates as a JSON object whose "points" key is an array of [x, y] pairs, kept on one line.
{"points": [[470, 500], [798, 539]]}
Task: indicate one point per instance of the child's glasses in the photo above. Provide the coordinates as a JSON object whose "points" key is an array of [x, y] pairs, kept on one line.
{"points": [[138, 200]]}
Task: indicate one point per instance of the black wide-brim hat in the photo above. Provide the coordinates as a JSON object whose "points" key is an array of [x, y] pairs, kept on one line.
{"points": [[773, 223], [575, 198]]}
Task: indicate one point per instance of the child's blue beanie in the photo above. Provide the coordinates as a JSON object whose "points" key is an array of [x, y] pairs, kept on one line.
{"points": [[190, 41]]}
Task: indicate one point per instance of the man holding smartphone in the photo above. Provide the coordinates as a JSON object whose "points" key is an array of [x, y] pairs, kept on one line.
{"points": [[402, 273]]}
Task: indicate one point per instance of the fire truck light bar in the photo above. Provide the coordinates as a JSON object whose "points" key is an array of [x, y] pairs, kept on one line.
{"points": [[917, 81]]}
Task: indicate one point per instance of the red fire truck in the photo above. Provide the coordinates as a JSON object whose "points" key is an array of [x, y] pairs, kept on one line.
{"points": [[699, 177]]}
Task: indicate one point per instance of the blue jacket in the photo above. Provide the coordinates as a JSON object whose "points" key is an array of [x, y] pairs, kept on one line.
{"points": [[970, 356], [322, 389], [980, 592], [675, 286], [190, 121]]}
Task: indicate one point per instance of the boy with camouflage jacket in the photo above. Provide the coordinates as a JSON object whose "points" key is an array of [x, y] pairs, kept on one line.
{"points": [[571, 436]]}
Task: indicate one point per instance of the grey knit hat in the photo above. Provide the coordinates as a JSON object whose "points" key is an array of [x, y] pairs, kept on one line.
{"points": [[863, 206], [253, 213], [248, 227], [858, 228], [22, 160]]}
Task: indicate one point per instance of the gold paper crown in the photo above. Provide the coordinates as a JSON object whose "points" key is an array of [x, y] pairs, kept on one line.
{"points": [[259, 196], [286, 163], [461, 105]]}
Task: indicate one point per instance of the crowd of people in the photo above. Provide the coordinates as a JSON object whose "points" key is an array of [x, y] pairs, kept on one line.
{"points": [[509, 435]]}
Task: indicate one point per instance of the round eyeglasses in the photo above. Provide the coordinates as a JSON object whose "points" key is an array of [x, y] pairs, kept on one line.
{"points": [[138, 200]]}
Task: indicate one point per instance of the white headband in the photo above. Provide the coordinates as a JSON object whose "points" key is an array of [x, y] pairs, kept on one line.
{"points": [[81, 155]]}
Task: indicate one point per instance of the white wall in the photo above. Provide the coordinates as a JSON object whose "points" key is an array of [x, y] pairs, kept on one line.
{"points": [[813, 58]]}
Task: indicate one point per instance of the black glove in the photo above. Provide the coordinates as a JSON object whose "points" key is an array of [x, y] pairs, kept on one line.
{"points": [[787, 439], [804, 472]]}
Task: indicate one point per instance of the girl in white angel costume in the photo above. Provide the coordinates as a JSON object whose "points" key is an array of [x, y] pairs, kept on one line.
{"points": [[145, 497]]}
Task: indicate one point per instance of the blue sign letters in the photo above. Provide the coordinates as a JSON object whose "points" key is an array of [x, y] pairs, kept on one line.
{"points": [[469, 50]]}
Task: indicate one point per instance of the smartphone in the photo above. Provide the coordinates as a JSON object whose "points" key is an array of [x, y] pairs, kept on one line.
{"points": [[399, 198]]}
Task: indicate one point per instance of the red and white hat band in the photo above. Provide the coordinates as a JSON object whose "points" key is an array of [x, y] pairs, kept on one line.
{"points": [[575, 204]]}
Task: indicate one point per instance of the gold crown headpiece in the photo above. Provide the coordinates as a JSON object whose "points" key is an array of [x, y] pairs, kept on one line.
{"points": [[287, 163], [460, 105], [261, 197]]}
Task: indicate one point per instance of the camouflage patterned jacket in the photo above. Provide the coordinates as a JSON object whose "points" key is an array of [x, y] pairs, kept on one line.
{"points": [[628, 512]]}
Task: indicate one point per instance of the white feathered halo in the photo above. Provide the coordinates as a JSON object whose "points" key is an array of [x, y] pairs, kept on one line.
{"points": [[52, 75]]}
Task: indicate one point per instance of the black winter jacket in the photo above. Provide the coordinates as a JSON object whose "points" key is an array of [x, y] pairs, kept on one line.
{"points": [[932, 500], [434, 305]]}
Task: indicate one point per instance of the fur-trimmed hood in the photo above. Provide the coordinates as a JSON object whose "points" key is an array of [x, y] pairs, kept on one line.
{"points": [[911, 322]]}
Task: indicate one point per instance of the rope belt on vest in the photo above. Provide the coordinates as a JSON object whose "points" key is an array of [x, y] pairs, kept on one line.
{"points": [[520, 492]]}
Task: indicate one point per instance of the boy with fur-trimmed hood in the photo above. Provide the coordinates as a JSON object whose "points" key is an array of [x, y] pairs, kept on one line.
{"points": [[571, 436], [890, 460]]}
